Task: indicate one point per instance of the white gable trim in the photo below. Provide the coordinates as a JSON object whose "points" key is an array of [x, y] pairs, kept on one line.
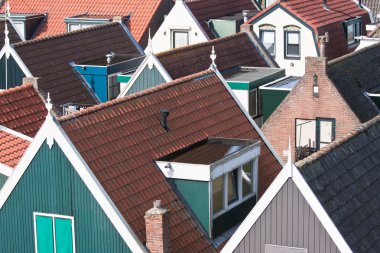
{"points": [[150, 60], [253, 123], [17, 58], [22, 37], [289, 171], [51, 130], [5, 170]]}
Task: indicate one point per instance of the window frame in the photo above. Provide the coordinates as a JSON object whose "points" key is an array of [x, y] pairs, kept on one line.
{"points": [[261, 31], [172, 37], [240, 198], [356, 23], [318, 121], [53, 216], [286, 55]]}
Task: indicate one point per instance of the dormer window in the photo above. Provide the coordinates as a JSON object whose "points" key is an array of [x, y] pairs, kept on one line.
{"points": [[180, 38], [352, 29], [222, 174], [25, 24], [87, 20]]}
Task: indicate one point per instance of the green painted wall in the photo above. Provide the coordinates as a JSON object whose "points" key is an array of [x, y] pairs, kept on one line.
{"points": [[51, 185], [232, 217], [147, 79], [15, 74], [196, 196], [271, 99], [123, 78], [3, 178], [238, 85], [223, 28]]}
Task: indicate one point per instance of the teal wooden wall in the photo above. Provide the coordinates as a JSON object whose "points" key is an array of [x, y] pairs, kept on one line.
{"points": [[271, 99], [97, 79], [197, 197], [15, 73], [3, 178], [147, 79], [51, 185]]}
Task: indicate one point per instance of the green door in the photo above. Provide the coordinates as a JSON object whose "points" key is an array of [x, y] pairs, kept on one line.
{"points": [[54, 234]]}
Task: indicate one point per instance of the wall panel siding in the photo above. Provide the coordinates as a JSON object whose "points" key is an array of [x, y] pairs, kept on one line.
{"points": [[15, 73], [51, 185], [288, 221], [147, 79]]}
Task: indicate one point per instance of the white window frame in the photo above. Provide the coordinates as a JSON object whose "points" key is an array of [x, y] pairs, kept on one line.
{"points": [[226, 206], [53, 216], [286, 44], [274, 42], [172, 38], [80, 25]]}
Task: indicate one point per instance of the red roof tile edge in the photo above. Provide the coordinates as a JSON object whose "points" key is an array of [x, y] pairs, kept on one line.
{"points": [[16, 89], [135, 95]]}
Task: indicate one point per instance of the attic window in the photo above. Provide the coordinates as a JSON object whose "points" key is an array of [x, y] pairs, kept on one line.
{"points": [[180, 38], [352, 29]]}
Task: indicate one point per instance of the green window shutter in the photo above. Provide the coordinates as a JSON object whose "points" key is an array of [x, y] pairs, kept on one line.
{"points": [[45, 237], [63, 235]]}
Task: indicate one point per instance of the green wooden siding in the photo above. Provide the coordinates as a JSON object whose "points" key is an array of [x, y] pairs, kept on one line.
{"points": [[123, 78], [148, 78], [271, 99], [15, 73], [197, 197], [238, 85], [3, 178], [51, 185]]}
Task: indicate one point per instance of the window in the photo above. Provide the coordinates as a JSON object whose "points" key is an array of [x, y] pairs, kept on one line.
{"points": [[352, 30], [325, 132], [292, 44], [180, 38], [233, 187], [305, 133], [253, 101], [77, 26], [54, 233], [113, 87], [267, 37]]}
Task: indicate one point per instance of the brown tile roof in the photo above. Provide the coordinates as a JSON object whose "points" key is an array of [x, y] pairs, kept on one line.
{"points": [[313, 13], [142, 12], [22, 109], [204, 10], [49, 59], [12, 148], [121, 139], [236, 50]]}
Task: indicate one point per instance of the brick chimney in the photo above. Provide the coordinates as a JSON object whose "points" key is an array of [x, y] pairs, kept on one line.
{"points": [[246, 28], [315, 65], [157, 229], [32, 80]]}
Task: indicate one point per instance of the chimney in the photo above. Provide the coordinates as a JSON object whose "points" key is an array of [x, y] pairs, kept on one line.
{"points": [[322, 46], [246, 28], [32, 80], [245, 15], [157, 229], [117, 19], [315, 65], [164, 113]]}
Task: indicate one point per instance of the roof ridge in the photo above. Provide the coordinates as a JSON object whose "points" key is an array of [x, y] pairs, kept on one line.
{"points": [[336, 143], [62, 35], [352, 54], [198, 45], [16, 89], [134, 95]]}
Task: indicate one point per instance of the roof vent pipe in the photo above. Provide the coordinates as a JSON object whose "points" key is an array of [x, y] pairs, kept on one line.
{"points": [[164, 118], [245, 15]]}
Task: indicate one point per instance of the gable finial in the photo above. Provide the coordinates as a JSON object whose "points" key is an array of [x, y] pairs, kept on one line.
{"points": [[48, 105], [213, 57], [149, 49]]}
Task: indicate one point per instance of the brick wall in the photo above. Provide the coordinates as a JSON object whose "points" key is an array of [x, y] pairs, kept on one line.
{"points": [[300, 103]]}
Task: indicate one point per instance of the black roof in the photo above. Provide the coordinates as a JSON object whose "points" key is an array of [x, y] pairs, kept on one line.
{"points": [[345, 177], [356, 74]]}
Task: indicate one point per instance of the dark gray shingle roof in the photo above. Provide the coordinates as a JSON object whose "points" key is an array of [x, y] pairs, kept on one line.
{"points": [[345, 176], [354, 75]]}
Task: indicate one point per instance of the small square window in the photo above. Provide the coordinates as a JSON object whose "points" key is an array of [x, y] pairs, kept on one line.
{"points": [[180, 38]]}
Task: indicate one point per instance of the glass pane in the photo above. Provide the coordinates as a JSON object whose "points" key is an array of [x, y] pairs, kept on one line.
{"points": [[73, 27], [268, 37], [326, 133], [350, 33], [357, 29], [305, 133], [232, 186], [63, 235], [253, 102], [247, 178], [293, 38], [217, 194], [180, 39], [293, 50], [44, 230]]}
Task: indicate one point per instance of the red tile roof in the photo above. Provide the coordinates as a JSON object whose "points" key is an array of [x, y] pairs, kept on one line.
{"points": [[142, 12], [12, 148], [236, 50], [22, 109], [322, 20], [121, 139], [204, 10]]}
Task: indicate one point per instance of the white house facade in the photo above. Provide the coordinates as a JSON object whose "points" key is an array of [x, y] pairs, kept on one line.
{"points": [[180, 28], [287, 39]]}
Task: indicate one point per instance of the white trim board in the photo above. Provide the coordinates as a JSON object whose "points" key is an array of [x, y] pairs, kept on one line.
{"points": [[15, 133], [5, 170], [17, 58], [51, 131], [152, 60], [289, 171]]}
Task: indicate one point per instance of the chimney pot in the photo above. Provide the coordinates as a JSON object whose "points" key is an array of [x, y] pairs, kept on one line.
{"points": [[157, 229], [32, 80]]}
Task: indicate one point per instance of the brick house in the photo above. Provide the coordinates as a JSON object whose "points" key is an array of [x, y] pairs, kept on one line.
{"points": [[329, 101]]}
